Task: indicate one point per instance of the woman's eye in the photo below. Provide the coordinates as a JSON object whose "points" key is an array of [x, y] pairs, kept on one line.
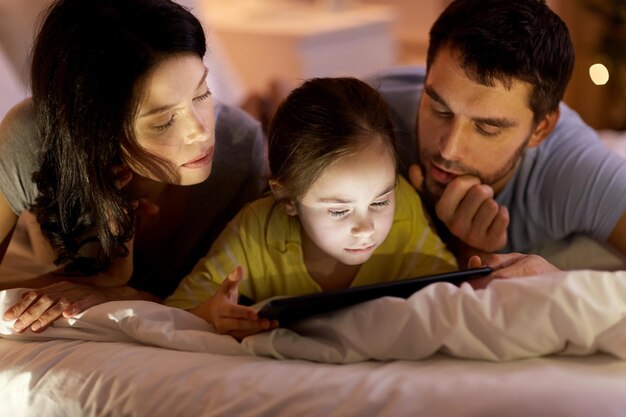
{"points": [[203, 96], [165, 126], [338, 213]]}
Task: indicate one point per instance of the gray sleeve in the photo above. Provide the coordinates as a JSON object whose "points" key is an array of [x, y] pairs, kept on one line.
{"points": [[571, 184], [19, 156], [401, 88]]}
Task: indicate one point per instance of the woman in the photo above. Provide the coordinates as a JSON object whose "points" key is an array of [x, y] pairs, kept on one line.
{"points": [[113, 155]]}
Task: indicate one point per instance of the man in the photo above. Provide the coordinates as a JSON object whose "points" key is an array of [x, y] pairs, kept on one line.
{"points": [[506, 166]]}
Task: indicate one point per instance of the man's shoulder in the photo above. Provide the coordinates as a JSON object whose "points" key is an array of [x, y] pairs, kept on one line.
{"points": [[570, 131]]}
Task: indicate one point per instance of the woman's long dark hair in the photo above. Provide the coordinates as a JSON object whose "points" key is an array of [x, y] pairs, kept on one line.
{"points": [[89, 61]]}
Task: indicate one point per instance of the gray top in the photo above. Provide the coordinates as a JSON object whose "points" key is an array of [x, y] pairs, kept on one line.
{"points": [[571, 184], [237, 177]]}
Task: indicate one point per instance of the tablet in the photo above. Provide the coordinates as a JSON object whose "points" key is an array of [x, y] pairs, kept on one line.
{"points": [[291, 309]]}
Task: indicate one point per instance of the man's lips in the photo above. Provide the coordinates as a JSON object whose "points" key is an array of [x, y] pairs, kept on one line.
{"points": [[200, 161], [440, 175]]}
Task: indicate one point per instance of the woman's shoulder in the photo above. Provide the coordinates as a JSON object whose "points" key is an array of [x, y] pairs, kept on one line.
{"points": [[21, 114], [18, 128]]}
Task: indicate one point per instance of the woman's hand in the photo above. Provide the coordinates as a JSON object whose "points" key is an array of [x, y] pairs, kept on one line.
{"points": [[40, 307], [227, 316], [508, 266]]}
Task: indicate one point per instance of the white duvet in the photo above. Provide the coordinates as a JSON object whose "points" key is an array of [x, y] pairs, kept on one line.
{"points": [[571, 313]]}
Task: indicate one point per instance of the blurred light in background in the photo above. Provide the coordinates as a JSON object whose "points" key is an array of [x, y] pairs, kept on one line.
{"points": [[599, 74]]}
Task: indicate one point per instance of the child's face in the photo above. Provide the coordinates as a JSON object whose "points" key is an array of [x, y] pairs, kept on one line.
{"points": [[348, 211], [175, 119]]}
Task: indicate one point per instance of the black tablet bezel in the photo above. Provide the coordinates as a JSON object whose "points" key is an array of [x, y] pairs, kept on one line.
{"points": [[291, 309]]}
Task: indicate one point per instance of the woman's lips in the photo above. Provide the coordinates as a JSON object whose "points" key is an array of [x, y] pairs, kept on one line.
{"points": [[440, 175], [201, 161]]}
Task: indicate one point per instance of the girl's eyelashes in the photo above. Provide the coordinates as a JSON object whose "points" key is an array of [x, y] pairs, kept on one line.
{"points": [[338, 213], [345, 212], [381, 203]]}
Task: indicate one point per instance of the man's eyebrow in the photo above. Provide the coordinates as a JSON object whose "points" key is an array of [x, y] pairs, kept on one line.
{"points": [[433, 95], [169, 106], [500, 122]]}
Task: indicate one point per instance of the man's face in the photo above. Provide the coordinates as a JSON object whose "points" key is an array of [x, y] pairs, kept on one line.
{"points": [[465, 128]]}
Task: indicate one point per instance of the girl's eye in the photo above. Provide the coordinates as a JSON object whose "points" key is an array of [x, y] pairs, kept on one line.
{"points": [[203, 96], [165, 126], [379, 204], [338, 213]]}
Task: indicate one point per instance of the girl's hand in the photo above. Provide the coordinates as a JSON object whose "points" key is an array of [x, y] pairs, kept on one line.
{"points": [[227, 316]]}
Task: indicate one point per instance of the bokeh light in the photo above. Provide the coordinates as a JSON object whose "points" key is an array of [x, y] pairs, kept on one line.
{"points": [[599, 74]]}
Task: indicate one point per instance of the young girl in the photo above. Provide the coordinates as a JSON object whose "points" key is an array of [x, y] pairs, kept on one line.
{"points": [[121, 114], [340, 216]]}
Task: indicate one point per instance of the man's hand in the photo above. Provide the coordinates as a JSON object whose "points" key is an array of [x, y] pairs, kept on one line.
{"points": [[510, 265], [227, 316], [469, 211]]}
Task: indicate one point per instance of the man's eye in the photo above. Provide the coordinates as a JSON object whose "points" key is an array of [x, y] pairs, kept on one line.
{"points": [[486, 132]]}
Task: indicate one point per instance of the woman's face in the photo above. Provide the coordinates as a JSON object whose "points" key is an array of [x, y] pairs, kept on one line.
{"points": [[175, 119]]}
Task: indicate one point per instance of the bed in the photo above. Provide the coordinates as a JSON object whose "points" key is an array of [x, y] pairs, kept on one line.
{"points": [[552, 345]]}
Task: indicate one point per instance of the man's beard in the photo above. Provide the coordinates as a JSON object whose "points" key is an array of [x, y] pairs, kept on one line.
{"points": [[433, 190]]}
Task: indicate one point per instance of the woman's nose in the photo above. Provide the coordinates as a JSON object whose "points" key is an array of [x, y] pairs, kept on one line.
{"points": [[198, 129]]}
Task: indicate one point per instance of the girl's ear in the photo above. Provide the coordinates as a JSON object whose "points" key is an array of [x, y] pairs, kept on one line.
{"points": [[289, 206]]}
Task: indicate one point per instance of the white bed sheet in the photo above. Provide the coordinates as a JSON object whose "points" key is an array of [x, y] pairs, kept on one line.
{"points": [[104, 367], [82, 378]]}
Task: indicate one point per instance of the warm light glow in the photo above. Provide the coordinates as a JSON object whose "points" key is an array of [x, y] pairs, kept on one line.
{"points": [[598, 74]]}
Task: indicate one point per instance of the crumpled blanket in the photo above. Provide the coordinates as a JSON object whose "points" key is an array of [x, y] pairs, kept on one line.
{"points": [[570, 313]]}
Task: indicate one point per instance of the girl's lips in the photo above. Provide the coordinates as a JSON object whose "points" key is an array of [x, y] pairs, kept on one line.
{"points": [[201, 161], [362, 250], [441, 176]]}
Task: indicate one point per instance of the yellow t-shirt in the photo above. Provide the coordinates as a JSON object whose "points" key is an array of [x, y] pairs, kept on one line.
{"points": [[266, 242]]}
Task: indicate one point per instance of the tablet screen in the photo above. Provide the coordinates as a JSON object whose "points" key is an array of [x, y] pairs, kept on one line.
{"points": [[291, 309]]}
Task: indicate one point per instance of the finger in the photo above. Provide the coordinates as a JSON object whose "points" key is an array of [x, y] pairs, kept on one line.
{"points": [[35, 311], [79, 306], [237, 311], [230, 326], [416, 177], [452, 196], [474, 262], [477, 205], [500, 261], [28, 298], [49, 316], [498, 229], [231, 282], [484, 216]]}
